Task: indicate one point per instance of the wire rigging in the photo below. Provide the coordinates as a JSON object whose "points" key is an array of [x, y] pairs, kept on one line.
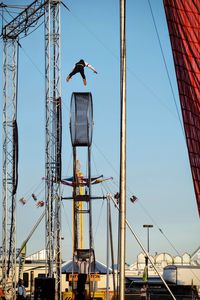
{"points": [[67, 220], [160, 230], [166, 68], [128, 68], [114, 55], [107, 188], [32, 30], [117, 58], [108, 161], [31, 60]]}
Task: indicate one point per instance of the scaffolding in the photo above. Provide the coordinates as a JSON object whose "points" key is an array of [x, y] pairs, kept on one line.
{"points": [[9, 172], [53, 138], [19, 27]]}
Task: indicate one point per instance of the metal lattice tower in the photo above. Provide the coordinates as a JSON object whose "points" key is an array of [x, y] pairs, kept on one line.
{"points": [[9, 176], [53, 138], [20, 26]]}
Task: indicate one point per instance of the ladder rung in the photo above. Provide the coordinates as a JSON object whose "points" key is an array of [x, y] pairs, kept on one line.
{"points": [[82, 211], [82, 198]]}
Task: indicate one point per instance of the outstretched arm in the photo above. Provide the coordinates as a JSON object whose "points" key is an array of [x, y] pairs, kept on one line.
{"points": [[90, 67]]}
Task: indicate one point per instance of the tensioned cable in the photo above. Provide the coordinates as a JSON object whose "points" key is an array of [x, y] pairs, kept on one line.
{"points": [[98, 221], [32, 30], [168, 76], [106, 159], [41, 73], [33, 188], [146, 252], [128, 68], [14, 12], [107, 188], [102, 204], [69, 164], [40, 192], [33, 63], [3, 7], [161, 231], [115, 57], [28, 56], [3, 19], [112, 253], [111, 52], [9, 13], [96, 169], [67, 219], [144, 209]]}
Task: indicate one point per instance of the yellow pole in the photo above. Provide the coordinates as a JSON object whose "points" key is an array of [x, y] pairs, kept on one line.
{"points": [[81, 218], [80, 189]]}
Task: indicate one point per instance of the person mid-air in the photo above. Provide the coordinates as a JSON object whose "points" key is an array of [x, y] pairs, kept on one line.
{"points": [[79, 68]]}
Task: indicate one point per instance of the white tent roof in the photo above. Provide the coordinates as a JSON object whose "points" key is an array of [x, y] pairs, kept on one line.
{"points": [[69, 267]]}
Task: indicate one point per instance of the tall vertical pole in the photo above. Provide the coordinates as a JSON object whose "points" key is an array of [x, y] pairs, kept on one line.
{"points": [[146, 257], [108, 248], [9, 176], [91, 242], [122, 203], [74, 213], [52, 149]]}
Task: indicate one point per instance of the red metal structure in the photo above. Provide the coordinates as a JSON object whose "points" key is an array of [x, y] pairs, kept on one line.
{"points": [[183, 18]]}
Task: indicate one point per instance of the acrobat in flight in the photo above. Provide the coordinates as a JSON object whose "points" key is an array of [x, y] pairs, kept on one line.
{"points": [[79, 68]]}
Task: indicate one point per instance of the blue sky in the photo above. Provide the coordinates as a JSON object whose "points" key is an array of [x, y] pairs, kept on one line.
{"points": [[158, 170]]}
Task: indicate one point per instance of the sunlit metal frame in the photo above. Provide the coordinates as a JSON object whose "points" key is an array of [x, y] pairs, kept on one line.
{"points": [[20, 26], [52, 96], [74, 118], [10, 50], [78, 211]]}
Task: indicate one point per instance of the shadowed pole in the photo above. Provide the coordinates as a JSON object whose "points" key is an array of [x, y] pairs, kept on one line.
{"points": [[122, 203], [146, 257]]}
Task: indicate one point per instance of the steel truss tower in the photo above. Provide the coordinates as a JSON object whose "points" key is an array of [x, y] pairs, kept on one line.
{"points": [[9, 176], [20, 26], [53, 139]]}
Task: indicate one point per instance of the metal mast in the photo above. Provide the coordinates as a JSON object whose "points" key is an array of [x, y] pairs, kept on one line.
{"points": [[20, 26], [122, 203], [9, 176], [53, 138]]}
